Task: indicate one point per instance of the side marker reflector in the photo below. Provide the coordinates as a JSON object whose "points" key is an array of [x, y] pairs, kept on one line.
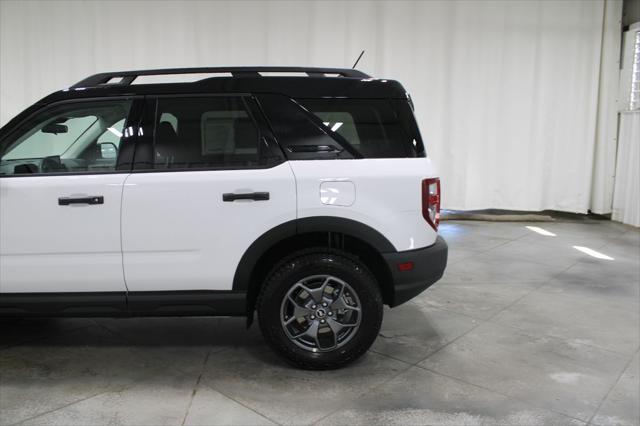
{"points": [[406, 266]]}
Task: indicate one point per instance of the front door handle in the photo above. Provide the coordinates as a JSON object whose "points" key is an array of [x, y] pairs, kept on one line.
{"points": [[94, 199], [256, 196]]}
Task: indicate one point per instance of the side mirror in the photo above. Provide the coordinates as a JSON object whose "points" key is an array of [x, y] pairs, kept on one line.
{"points": [[55, 128], [108, 150]]}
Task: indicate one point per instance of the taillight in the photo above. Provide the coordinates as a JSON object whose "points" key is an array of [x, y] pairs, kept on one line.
{"points": [[431, 201]]}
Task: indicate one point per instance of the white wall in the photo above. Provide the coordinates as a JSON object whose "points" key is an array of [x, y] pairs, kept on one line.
{"points": [[606, 143], [506, 92], [626, 196], [626, 201]]}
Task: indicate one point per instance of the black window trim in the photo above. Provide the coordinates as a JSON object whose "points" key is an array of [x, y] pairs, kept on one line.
{"points": [[133, 117], [253, 110]]}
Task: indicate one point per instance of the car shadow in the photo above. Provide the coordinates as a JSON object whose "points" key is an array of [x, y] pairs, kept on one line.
{"points": [[162, 335]]}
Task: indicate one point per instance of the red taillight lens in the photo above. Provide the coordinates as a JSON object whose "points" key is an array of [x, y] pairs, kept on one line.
{"points": [[431, 201]]}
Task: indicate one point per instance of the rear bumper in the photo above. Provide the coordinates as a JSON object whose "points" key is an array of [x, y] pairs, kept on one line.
{"points": [[429, 265]]}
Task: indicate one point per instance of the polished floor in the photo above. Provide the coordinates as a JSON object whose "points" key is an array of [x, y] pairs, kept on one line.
{"points": [[524, 329]]}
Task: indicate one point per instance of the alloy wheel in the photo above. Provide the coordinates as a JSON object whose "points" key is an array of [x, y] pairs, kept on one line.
{"points": [[320, 313]]}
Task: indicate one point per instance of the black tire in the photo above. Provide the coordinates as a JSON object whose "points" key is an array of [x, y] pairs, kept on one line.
{"points": [[314, 262]]}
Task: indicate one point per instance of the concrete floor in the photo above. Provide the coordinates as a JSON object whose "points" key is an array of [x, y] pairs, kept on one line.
{"points": [[523, 329]]}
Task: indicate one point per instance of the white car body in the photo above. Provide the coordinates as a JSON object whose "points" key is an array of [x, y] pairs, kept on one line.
{"points": [[62, 249]]}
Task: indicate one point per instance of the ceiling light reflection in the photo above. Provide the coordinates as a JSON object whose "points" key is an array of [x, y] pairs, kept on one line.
{"points": [[540, 231], [593, 253]]}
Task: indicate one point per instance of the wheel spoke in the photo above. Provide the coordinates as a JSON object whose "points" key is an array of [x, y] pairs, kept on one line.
{"points": [[343, 325], [310, 292], [340, 303], [334, 345], [291, 320], [299, 310], [317, 294], [296, 303], [312, 332], [336, 327], [306, 331], [338, 292], [323, 287]]}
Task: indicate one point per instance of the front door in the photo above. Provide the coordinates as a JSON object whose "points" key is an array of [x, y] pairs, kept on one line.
{"points": [[61, 181]]}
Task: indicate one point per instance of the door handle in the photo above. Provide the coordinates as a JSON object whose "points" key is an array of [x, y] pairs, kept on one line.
{"points": [[94, 199], [256, 196]]}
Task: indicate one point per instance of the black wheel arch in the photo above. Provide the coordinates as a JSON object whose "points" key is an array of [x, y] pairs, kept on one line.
{"points": [[348, 235]]}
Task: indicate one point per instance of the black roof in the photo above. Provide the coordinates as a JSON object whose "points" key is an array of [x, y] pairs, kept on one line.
{"points": [[304, 82]]}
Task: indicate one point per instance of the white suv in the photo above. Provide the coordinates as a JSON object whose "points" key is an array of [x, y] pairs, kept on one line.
{"points": [[304, 194]]}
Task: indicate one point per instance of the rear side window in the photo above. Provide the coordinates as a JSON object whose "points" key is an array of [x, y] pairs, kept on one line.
{"points": [[205, 133], [375, 128], [300, 134]]}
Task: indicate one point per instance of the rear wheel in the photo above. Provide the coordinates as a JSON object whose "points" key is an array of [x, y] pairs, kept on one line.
{"points": [[320, 309]]}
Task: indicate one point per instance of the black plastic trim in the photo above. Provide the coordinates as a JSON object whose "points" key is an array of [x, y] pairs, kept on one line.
{"points": [[248, 261], [87, 304], [347, 227], [242, 277], [429, 265], [191, 302], [122, 304]]}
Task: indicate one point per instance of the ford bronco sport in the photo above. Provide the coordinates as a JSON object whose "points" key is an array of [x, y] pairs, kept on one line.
{"points": [[303, 194]]}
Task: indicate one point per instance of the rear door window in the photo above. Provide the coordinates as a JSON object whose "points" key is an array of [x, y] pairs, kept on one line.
{"points": [[208, 133]]}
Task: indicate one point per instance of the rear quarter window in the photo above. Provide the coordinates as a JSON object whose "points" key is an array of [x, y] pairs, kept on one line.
{"points": [[375, 128]]}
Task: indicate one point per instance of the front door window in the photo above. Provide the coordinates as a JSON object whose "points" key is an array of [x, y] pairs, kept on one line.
{"points": [[72, 138]]}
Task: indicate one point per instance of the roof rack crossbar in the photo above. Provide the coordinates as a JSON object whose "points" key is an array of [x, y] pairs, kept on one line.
{"points": [[127, 77]]}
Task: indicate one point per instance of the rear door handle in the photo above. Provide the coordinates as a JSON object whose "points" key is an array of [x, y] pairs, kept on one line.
{"points": [[94, 199], [256, 196]]}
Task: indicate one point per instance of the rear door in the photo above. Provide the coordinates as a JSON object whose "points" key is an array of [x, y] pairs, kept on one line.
{"points": [[61, 178], [208, 181]]}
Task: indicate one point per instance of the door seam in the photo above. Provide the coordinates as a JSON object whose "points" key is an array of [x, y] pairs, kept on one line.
{"points": [[124, 275]]}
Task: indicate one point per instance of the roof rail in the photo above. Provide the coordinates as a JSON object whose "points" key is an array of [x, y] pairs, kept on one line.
{"points": [[127, 77]]}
